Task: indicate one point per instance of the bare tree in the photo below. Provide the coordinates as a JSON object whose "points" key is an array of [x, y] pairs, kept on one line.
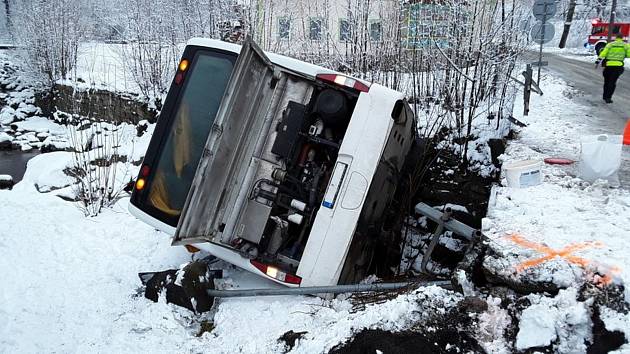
{"points": [[50, 31]]}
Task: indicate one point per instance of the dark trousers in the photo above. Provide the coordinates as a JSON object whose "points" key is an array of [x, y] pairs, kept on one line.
{"points": [[611, 75]]}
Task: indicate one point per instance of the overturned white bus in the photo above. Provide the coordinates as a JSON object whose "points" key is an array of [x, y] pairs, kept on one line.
{"points": [[278, 166]]}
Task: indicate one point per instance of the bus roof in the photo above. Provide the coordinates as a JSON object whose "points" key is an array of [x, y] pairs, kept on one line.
{"points": [[281, 60]]}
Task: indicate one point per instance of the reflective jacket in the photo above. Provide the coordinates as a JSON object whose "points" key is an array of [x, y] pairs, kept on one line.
{"points": [[615, 53]]}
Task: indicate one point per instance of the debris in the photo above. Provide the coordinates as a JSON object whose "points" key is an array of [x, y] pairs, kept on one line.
{"points": [[184, 287], [290, 337]]}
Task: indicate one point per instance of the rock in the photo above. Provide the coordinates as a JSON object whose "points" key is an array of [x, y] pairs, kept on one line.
{"points": [[42, 136], [7, 116], [184, 287], [473, 304], [142, 127], [290, 337], [26, 147], [5, 141], [6, 182]]}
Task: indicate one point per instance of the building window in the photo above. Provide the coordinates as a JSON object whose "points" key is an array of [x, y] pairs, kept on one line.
{"points": [[345, 30], [284, 27], [376, 30], [429, 24], [316, 28]]}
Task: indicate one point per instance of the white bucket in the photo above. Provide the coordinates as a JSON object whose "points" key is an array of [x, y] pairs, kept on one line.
{"points": [[523, 174]]}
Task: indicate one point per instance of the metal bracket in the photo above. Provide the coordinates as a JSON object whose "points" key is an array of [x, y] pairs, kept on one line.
{"points": [[443, 220]]}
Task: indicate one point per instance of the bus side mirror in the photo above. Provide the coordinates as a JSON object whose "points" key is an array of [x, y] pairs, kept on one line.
{"points": [[399, 113]]}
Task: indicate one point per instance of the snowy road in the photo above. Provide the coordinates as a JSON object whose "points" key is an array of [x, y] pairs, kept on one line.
{"points": [[601, 118]]}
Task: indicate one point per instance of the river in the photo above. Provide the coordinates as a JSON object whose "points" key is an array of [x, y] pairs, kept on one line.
{"points": [[13, 163]]}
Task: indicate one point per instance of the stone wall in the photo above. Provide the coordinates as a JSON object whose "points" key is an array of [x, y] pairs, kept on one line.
{"points": [[95, 103]]}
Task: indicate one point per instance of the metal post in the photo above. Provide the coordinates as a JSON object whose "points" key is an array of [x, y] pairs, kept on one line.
{"points": [[334, 289], [450, 224], [446, 216], [540, 54], [527, 91]]}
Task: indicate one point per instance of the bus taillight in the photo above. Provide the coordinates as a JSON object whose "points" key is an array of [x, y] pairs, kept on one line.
{"points": [[276, 273], [345, 81]]}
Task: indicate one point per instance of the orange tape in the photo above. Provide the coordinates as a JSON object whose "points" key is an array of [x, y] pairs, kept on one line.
{"points": [[626, 134]]}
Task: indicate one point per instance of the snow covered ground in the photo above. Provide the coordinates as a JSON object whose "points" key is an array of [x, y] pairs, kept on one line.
{"points": [[71, 285], [580, 230]]}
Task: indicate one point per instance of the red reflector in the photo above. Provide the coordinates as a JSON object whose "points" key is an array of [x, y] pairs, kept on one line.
{"points": [[341, 80], [277, 274], [179, 78], [260, 266], [192, 249], [145, 170]]}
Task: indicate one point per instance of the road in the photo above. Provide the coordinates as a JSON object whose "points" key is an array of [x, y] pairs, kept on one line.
{"points": [[602, 118]]}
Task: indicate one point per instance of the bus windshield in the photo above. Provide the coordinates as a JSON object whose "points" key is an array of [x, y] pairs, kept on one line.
{"points": [[182, 142]]}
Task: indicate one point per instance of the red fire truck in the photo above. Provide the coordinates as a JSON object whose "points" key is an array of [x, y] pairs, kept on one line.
{"points": [[599, 34]]}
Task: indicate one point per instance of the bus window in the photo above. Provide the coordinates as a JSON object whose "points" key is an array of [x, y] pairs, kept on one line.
{"points": [[183, 142]]}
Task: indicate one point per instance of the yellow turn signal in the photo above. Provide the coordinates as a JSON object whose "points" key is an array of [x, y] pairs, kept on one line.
{"points": [[183, 65]]}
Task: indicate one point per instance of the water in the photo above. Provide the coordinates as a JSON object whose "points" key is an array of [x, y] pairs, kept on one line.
{"points": [[14, 163]]}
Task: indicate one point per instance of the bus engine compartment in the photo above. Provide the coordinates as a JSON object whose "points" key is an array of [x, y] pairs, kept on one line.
{"points": [[284, 203], [292, 170]]}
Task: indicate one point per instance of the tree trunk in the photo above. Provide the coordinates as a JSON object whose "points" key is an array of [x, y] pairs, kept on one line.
{"points": [[613, 15], [7, 13], [567, 24]]}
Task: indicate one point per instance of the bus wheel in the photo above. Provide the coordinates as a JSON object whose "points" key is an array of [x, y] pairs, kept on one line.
{"points": [[599, 47]]}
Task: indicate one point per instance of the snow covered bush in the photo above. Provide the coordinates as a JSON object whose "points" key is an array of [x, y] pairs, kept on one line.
{"points": [[96, 164], [102, 153], [50, 32]]}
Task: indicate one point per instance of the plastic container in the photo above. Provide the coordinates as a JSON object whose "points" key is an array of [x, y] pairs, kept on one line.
{"points": [[523, 174]]}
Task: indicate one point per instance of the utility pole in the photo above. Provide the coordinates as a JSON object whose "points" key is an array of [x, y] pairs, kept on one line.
{"points": [[613, 15], [567, 23]]}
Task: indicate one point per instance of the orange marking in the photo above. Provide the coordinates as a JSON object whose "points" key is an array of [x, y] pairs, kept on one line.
{"points": [[566, 254], [550, 253]]}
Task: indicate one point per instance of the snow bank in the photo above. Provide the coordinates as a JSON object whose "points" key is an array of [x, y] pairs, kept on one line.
{"points": [[562, 319], [560, 234], [45, 172], [615, 321], [41, 125], [70, 282], [564, 211], [4, 137]]}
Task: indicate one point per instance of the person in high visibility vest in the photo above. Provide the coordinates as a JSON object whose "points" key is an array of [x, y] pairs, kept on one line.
{"points": [[613, 56]]}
